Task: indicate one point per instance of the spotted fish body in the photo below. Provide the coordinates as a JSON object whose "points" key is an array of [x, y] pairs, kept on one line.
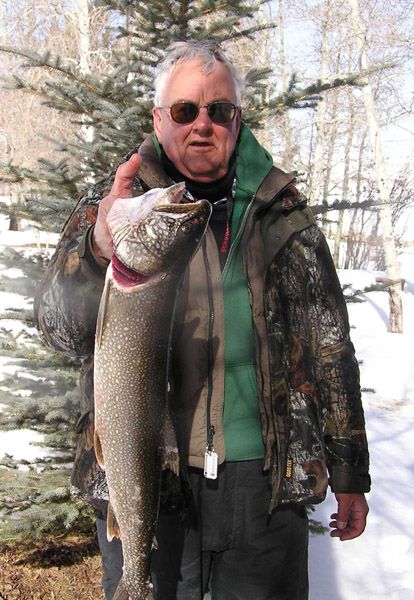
{"points": [[154, 235]]}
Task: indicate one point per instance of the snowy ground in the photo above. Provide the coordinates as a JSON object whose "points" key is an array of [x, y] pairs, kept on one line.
{"points": [[380, 564]]}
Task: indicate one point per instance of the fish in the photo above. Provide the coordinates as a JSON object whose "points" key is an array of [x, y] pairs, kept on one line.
{"points": [[154, 238]]}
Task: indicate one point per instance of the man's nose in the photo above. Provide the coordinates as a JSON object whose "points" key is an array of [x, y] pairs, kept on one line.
{"points": [[203, 121]]}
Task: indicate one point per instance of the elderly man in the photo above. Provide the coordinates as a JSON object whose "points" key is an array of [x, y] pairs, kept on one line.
{"points": [[265, 385]]}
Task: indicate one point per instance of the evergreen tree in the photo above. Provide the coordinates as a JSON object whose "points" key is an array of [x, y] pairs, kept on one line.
{"points": [[112, 101], [40, 394], [110, 105], [114, 104]]}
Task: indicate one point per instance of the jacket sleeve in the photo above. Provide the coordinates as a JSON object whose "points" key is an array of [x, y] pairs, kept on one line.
{"points": [[67, 299], [337, 384]]}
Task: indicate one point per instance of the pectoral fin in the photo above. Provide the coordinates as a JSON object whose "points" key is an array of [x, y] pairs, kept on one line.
{"points": [[98, 450], [121, 593], [112, 527]]}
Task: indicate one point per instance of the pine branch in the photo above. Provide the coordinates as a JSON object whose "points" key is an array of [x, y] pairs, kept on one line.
{"points": [[68, 67], [355, 295], [305, 97], [318, 209]]}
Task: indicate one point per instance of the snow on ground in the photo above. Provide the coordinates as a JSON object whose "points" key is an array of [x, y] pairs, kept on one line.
{"points": [[380, 564], [21, 444]]}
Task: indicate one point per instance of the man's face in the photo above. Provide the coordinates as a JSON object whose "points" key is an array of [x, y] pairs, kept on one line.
{"points": [[200, 150]]}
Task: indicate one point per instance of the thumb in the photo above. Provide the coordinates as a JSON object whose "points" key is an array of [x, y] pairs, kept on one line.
{"points": [[124, 177]]}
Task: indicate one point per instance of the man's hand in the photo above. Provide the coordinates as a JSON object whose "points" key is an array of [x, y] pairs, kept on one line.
{"points": [[121, 188], [350, 520]]}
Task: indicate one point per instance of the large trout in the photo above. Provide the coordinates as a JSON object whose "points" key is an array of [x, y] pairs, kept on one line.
{"points": [[154, 237]]}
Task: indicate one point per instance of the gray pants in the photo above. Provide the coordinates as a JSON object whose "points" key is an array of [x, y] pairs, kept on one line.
{"points": [[112, 561], [228, 543]]}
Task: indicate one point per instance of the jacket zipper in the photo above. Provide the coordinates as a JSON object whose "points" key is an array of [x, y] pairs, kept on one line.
{"points": [[210, 358], [236, 240]]}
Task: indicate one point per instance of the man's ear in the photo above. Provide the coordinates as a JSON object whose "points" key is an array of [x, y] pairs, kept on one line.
{"points": [[156, 120]]}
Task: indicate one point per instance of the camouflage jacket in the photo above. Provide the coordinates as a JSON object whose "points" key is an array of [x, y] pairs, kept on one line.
{"points": [[307, 374]]}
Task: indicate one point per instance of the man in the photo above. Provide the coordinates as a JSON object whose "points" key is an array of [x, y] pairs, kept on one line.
{"points": [[265, 385]]}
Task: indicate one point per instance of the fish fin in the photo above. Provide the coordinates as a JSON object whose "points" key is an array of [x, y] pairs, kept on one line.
{"points": [[112, 527], [90, 432], [154, 543], [98, 450], [121, 593], [101, 313], [170, 459], [169, 451]]}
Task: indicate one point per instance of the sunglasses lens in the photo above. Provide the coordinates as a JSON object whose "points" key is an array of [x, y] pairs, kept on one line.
{"points": [[184, 112], [221, 112], [187, 112]]}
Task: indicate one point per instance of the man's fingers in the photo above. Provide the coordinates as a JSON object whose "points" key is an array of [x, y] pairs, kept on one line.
{"points": [[350, 520], [349, 533], [337, 522], [124, 177], [343, 514], [121, 188]]}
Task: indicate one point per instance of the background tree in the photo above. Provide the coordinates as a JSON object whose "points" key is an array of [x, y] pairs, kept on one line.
{"points": [[101, 89], [83, 78], [382, 180]]}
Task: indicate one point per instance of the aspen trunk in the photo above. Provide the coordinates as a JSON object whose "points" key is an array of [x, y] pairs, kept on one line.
{"points": [[320, 119], [345, 180], [83, 26], [391, 259], [288, 145], [331, 136]]}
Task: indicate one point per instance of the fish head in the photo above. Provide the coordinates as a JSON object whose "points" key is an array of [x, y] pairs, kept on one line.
{"points": [[157, 232]]}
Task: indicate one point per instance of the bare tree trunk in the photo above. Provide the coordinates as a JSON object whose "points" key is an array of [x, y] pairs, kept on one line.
{"points": [[345, 180], [284, 120], [13, 192], [330, 141], [83, 26], [320, 119], [391, 259], [351, 244]]}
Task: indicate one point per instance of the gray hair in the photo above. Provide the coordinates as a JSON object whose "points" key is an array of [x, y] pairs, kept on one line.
{"points": [[207, 52]]}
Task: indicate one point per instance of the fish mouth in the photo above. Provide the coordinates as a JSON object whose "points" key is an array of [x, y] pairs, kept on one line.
{"points": [[177, 210], [175, 207]]}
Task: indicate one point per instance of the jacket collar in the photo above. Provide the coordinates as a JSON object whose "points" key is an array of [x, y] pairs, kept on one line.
{"points": [[152, 173]]}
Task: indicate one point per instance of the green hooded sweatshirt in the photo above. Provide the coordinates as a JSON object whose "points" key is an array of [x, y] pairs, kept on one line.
{"points": [[241, 418], [242, 429]]}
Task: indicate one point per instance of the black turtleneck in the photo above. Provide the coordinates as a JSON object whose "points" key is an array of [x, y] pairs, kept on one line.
{"points": [[213, 191], [218, 192]]}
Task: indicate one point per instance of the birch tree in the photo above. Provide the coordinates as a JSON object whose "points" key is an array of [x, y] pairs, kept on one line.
{"points": [[382, 180], [82, 24], [320, 118]]}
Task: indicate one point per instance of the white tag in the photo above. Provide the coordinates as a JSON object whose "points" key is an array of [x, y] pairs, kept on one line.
{"points": [[210, 464]]}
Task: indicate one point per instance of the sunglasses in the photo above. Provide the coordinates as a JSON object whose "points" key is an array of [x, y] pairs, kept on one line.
{"points": [[187, 112]]}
